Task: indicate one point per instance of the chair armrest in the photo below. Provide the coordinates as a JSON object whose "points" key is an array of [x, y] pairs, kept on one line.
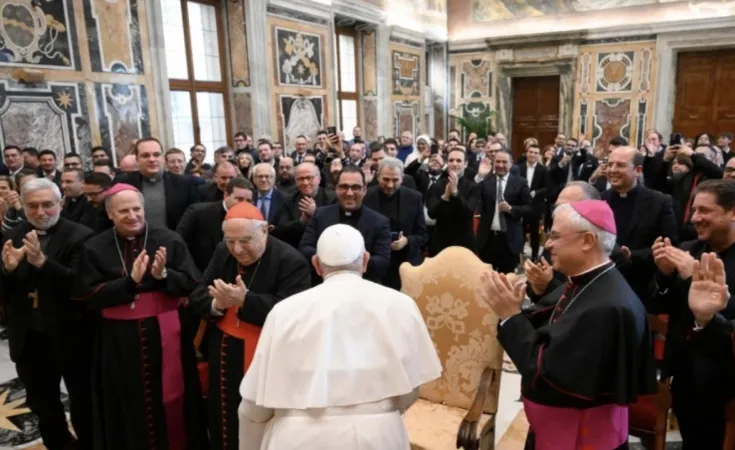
{"points": [[467, 433]]}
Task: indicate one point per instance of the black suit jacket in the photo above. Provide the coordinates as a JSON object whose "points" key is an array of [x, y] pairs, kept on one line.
{"points": [[412, 221], [538, 185], [518, 196], [52, 282], [653, 216], [201, 229], [375, 229], [74, 208], [180, 193], [278, 204], [453, 218], [292, 228], [209, 192]]}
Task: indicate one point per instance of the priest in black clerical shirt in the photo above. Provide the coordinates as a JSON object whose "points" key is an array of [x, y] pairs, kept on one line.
{"points": [[349, 210], [75, 203], [641, 216], [404, 209]]}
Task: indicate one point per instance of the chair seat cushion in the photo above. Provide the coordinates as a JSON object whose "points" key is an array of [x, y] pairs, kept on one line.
{"points": [[433, 426]]}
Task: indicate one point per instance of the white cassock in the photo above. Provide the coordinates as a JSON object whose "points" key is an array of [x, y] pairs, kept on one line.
{"points": [[334, 369]]}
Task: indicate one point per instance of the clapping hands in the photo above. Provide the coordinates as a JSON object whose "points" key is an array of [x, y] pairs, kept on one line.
{"points": [[227, 295], [708, 293]]}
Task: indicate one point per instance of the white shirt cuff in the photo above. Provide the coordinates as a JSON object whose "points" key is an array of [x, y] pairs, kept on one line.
{"points": [[214, 311]]}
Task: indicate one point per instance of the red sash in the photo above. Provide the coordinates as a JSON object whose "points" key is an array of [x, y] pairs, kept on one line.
{"points": [[232, 326], [166, 309]]}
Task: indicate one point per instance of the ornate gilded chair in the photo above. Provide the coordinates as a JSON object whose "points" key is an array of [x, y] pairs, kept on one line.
{"points": [[457, 410]]}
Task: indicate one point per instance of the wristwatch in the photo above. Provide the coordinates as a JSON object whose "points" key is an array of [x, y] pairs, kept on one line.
{"points": [[164, 274]]}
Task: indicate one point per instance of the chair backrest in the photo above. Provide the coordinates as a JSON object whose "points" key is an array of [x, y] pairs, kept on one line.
{"points": [[447, 290]]}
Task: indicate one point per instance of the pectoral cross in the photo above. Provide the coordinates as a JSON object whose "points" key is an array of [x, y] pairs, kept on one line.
{"points": [[34, 295]]}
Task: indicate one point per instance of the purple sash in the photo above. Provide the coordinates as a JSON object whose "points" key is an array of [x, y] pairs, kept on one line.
{"points": [[601, 428], [165, 309]]}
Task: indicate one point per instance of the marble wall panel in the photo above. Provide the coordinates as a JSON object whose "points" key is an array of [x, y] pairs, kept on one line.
{"points": [[113, 35], [299, 115], [298, 68], [243, 112], [236, 25], [406, 74], [50, 116], [122, 114], [370, 118], [471, 86], [613, 91], [611, 118], [38, 34], [369, 61], [298, 56], [406, 117]]}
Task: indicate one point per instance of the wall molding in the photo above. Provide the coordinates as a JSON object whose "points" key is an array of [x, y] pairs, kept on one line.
{"points": [[407, 37], [668, 46], [359, 10], [615, 33], [295, 11]]}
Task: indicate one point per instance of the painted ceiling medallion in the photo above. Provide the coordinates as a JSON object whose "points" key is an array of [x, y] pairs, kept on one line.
{"points": [[614, 72]]}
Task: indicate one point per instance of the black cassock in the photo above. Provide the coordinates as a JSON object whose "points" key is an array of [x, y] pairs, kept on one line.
{"points": [[140, 402], [280, 273], [595, 350]]}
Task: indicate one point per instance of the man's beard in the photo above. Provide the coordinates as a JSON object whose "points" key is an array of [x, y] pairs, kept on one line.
{"points": [[45, 223]]}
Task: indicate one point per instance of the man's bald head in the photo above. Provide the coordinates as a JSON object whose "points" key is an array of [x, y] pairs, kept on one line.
{"points": [[630, 154], [576, 191], [129, 163]]}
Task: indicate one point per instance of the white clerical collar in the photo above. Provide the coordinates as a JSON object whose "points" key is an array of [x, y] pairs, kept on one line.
{"points": [[607, 261]]}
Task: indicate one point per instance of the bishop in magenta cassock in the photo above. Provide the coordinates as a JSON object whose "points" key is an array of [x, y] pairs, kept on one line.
{"points": [[145, 387], [584, 350], [249, 274]]}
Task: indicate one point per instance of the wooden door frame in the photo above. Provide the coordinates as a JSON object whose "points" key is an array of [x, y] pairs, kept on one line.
{"points": [[564, 68], [668, 46]]}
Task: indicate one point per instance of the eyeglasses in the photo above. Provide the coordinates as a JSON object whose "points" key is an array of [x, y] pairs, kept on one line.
{"points": [[349, 187], [729, 169], [247, 240], [35, 206], [555, 235]]}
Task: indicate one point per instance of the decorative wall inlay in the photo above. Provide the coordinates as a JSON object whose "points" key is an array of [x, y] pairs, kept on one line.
{"points": [[237, 27], [370, 118], [298, 58], [296, 15], [615, 72], [46, 116], [122, 113], [38, 34], [369, 59], [613, 92], [437, 65], [452, 87], [113, 34], [611, 118], [535, 53], [584, 72], [619, 39], [407, 117], [300, 115], [646, 57], [476, 78], [406, 74], [477, 110], [641, 119], [243, 111]]}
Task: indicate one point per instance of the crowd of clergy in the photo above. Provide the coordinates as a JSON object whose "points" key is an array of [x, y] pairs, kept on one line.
{"points": [[255, 303]]}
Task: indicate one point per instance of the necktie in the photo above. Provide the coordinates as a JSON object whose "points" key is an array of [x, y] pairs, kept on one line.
{"points": [[499, 199], [432, 180], [564, 300], [263, 209]]}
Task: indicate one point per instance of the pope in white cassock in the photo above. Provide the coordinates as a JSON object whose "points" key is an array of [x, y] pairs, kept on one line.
{"points": [[336, 365]]}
